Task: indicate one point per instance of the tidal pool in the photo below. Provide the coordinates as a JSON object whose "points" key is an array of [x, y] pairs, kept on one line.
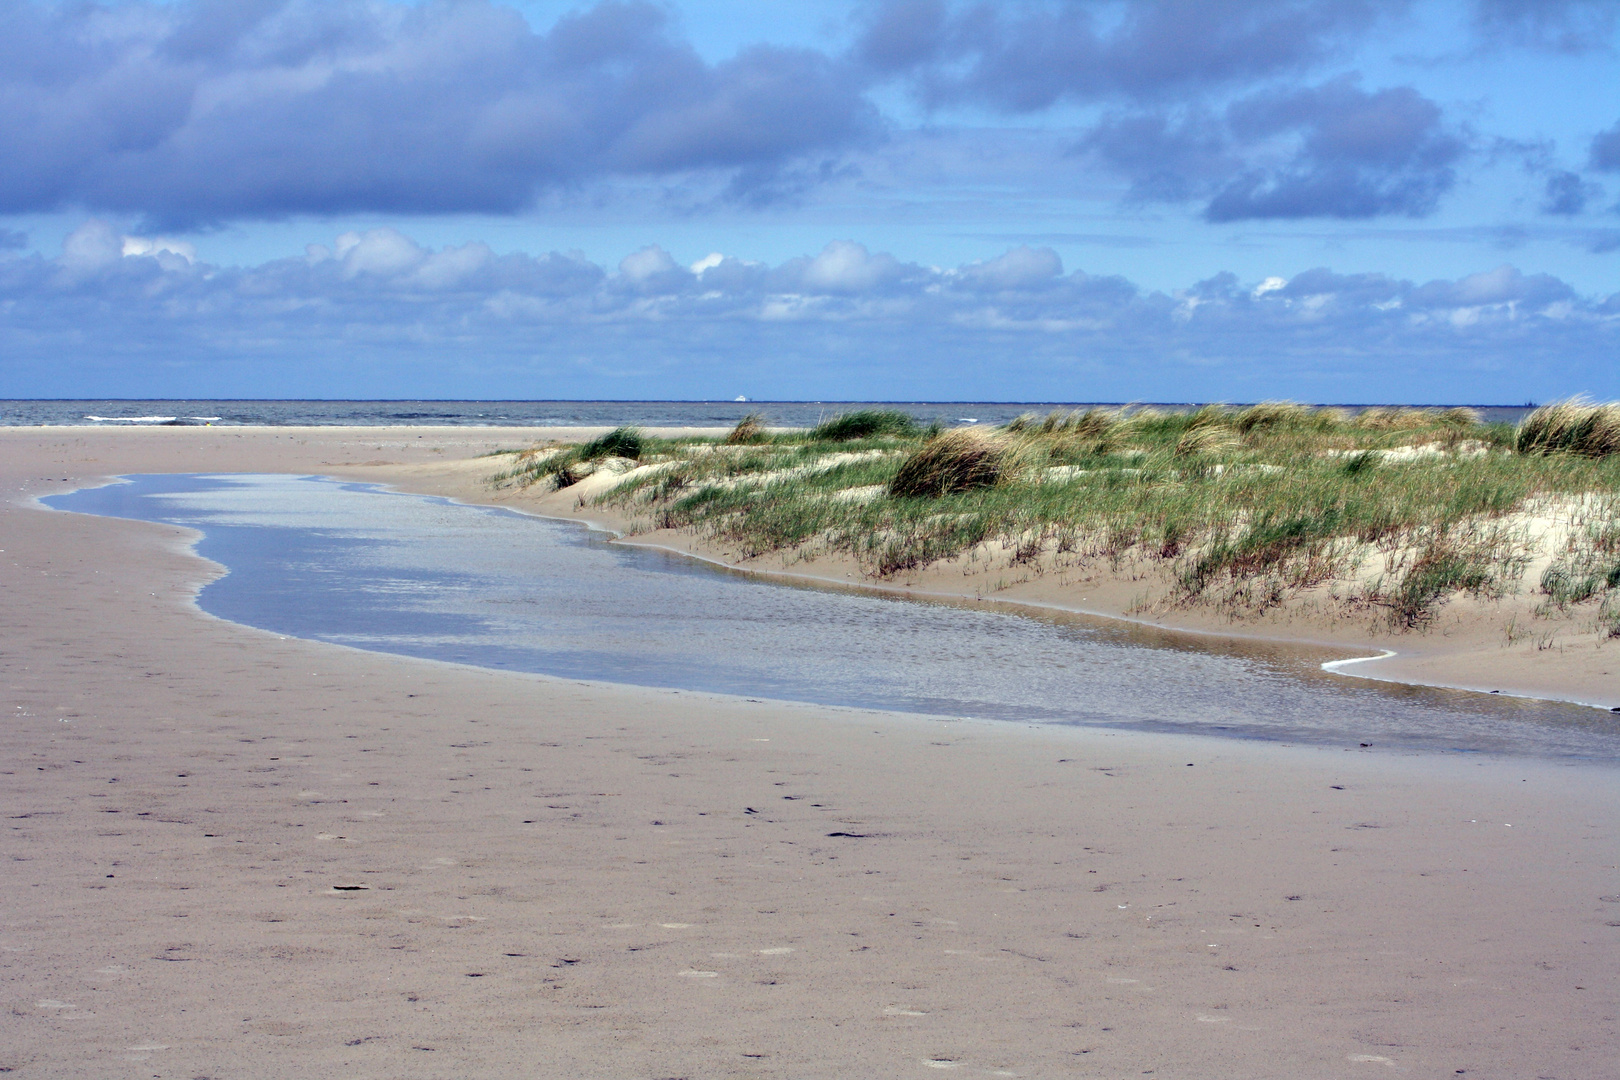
{"points": [[355, 564]]}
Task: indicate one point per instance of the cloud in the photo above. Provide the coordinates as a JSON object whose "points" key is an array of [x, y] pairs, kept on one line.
{"points": [[1028, 57], [1561, 26], [845, 267], [1503, 287], [217, 109], [1360, 155], [1333, 150], [1019, 268], [1605, 153], [1168, 159], [376, 313], [1567, 194], [380, 252]]}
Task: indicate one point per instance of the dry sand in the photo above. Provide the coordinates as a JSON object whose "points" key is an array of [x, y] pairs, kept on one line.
{"points": [[230, 854]]}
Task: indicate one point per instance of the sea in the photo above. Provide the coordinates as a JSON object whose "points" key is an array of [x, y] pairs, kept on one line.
{"points": [[80, 412]]}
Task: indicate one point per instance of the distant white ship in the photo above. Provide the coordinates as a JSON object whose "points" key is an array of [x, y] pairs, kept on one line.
{"points": [[739, 397]]}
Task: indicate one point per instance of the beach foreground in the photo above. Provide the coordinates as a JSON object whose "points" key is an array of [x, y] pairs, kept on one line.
{"points": [[235, 855]]}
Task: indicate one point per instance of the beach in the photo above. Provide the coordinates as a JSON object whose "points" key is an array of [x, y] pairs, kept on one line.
{"points": [[232, 854]]}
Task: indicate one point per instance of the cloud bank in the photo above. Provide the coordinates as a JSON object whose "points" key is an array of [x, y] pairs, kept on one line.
{"points": [[196, 113], [376, 314], [1028, 57], [211, 110]]}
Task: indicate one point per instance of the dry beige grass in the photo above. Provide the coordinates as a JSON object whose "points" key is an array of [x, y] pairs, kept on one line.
{"points": [[1205, 439], [1269, 414], [963, 460], [750, 429], [1573, 427]]}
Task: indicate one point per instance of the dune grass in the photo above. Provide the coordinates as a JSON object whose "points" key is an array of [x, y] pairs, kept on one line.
{"points": [[956, 461], [1574, 427], [864, 424], [750, 429], [564, 467], [1242, 506]]}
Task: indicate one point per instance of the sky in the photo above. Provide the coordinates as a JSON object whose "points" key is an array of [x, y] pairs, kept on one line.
{"points": [[1354, 201]]}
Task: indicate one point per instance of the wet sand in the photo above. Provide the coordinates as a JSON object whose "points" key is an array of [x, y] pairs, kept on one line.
{"points": [[234, 855]]}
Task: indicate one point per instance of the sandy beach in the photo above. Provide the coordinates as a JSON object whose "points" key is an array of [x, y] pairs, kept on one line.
{"points": [[231, 854]]}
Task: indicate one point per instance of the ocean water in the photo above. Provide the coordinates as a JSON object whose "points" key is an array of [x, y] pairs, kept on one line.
{"points": [[357, 565], [117, 413]]}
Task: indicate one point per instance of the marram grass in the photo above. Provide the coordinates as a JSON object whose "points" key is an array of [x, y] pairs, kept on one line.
{"points": [[1243, 506], [1572, 427]]}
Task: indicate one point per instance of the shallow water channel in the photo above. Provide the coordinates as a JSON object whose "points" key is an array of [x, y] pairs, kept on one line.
{"points": [[358, 565]]}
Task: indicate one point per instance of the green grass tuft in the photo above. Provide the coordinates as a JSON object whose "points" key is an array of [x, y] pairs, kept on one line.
{"points": [[864, 424], [624, 442], [1439, 570]]}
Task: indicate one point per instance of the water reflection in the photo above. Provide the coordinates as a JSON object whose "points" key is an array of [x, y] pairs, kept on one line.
{"points": [[420, 576]]}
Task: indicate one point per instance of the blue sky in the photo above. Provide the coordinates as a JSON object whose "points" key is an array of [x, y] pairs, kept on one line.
{"points": [[1330, 200]]}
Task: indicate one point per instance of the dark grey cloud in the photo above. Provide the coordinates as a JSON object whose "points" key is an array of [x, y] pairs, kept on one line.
{"points": [[1567, 194], [1167, 158], [218, 109], [1023, 57], [1564, 26], [375, 313], [1333, 150], [1605, 151], [1361, 154]]}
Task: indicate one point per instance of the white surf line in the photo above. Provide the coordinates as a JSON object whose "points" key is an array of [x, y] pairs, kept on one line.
{"points": [[1337, 666]]}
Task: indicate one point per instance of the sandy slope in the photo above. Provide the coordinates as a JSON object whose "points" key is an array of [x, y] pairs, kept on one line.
{"points": [[578, 880]]}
